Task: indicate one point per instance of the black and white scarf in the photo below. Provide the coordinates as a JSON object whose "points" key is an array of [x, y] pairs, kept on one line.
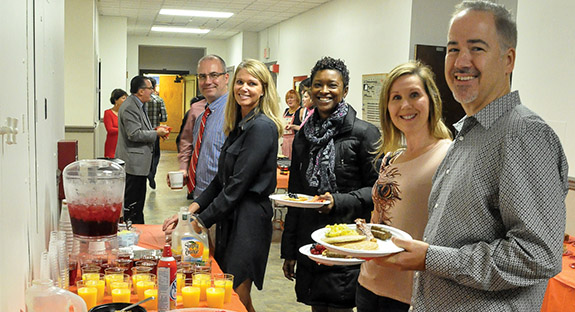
{"points": [[320, 133]]}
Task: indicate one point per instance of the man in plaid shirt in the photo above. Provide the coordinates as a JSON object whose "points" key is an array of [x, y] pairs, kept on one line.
{"points": [[156, 111]]}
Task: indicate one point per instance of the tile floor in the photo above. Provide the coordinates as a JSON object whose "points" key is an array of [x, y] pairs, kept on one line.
{"points": [[278, 292]]}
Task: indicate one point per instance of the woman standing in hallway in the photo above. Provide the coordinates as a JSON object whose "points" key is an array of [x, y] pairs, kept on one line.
{"points": [[237, 198], [111, 122], [410, 111], [332, 157], [292, 121], [308, 107]]}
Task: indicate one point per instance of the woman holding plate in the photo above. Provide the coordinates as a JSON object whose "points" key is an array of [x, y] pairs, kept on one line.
{"points": [[332, 157], [410, 110]]}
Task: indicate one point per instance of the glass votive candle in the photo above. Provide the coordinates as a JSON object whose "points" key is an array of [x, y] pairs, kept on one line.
{"points": [[226, 281], [88, 293], [190, 294]]}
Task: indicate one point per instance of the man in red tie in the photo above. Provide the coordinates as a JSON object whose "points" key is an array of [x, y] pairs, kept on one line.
{"points": [[199, 161]]}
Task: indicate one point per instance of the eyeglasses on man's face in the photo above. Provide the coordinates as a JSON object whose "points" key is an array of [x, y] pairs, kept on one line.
{"points": [[148, 88], [212, 76]]}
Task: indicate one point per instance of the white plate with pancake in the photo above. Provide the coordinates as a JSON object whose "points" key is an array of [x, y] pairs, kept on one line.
{"points": [[384, 248], [303, 201], [306, 251]]}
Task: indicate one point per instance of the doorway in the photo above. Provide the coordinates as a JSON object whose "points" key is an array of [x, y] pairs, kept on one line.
{"points": [[434, 56], [174, 88]]}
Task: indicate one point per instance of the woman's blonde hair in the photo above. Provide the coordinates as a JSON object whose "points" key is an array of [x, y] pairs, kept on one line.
{"points": [[268, 103], [392, 137]]}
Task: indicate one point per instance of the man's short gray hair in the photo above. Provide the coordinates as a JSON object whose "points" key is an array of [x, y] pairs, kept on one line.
{"points": [[214, 57], [504, 23]]}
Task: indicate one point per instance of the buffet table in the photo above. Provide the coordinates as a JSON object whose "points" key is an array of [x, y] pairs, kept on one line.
{"points": [[560, 294], [152, 237]]}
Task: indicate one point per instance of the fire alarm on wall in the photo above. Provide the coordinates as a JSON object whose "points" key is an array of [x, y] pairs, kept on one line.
{"points": [[275, 68], [267, 53]]}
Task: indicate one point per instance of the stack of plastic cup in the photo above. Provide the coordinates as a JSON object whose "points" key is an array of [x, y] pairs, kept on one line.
{"points": [[65, 226]]}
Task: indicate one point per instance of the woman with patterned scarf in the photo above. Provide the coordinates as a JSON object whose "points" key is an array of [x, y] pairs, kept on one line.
{"points": [[332, 157]]}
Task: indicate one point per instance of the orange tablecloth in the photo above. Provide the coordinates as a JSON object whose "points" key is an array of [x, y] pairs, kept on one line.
{"points": [[282, 180], [560, 294]]}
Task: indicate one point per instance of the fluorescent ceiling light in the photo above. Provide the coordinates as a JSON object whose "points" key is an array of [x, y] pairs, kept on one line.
{"points": [[180, 30], [195, 13]]}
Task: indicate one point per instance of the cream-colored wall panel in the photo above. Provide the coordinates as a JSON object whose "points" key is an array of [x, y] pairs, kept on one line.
{"points": [[86, 142], [80, 63], [370, 36]]}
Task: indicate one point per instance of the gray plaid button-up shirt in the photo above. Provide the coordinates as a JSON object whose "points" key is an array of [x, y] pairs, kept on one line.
{"points": [[156, 110], [496, 214]]}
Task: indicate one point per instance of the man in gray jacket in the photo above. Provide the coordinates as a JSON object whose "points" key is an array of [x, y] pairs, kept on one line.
{"points": [[136, 138]]}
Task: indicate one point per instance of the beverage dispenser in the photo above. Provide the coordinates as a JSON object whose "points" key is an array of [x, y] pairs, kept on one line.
{"points": [[95, 194]]}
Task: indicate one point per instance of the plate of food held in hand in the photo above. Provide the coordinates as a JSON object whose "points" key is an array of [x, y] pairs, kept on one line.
{"points": [[361, 240], [299, 200], [318, 253]]}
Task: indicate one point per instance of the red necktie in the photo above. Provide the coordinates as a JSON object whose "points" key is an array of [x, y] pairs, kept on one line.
{"points": [[191, 184]]}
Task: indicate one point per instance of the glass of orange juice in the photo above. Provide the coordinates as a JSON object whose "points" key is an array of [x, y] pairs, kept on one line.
{"points": [[141, 277], [88, 293], [203, 281], [100, 285], [190, 294], [143, 285], [225, 281], [121, 295], [152, 304], [115, 277], [215, 297]]}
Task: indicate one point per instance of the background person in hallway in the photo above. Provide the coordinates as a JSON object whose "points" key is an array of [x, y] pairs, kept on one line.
{"points": [[497, 203], [136, 139], [332, 156], [117, 97], [308, 107], [213, 84], [237, 198], [410, 112], [292, 121], [197, 106], [156, 110]]}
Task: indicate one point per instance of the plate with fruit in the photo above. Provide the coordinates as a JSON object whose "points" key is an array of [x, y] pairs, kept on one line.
{"points": [[320, 254], [299, 200]]}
